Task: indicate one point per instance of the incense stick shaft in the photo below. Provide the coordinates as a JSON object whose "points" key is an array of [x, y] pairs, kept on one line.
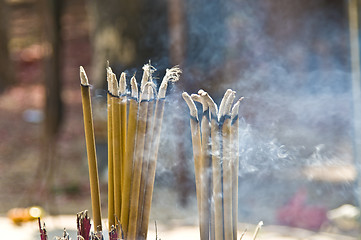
{"points": [[227, 180], [158, 119], [131, 130], [111, 219], [205, 181], [116, 155], [235, 155], [217, 179], [92, 160], [123, 132], [145, 168], [137, 170]]}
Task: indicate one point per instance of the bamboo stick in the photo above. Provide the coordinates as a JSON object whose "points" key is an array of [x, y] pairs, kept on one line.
{"points": [[116, 145], [129, 151], [225, 122], [216, 169], [91, 153], [111, 219], [137, 167], [172, 75], [235, 163]]}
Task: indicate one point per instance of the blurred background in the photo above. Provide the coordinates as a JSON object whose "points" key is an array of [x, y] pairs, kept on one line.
{"points": [[295, 62]]}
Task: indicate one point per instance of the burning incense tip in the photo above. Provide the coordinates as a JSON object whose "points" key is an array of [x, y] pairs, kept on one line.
{"points": [[172, 75], [191, 105], [83, 78], [133, 84], [122, 84]]}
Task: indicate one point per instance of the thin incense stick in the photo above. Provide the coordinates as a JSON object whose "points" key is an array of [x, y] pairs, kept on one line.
{"points": [[258, 228], [235, 163], [197, 149], [123, 122], [225, 122], [204, 168], [131, 130], [216, 169], [111, 219], [116, 145], [91, 153], [147, 146], [137, 168], [172, 75]]}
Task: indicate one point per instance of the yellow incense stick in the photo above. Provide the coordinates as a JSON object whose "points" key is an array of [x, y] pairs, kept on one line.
{"points": [[116, 146], [91, 153], [225, 122], [123, 122], [216, 170], [137, 167], [172, 75], [235, 163], [111, 219], [145, 167], [129, 152]]}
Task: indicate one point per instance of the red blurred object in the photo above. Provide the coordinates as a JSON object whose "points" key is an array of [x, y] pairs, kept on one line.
{"points": [[298, 214]]}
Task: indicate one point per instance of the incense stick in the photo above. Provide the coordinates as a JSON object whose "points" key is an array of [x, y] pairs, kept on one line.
{"points": [[146, 158], [131, 130], [258, 228], [225, 123], [204, 166], [137, 167], [116, 145], [90, 145], [235, 163], [111, 220], [172, 75], [123, 122], [197, 149], [216, 169]]}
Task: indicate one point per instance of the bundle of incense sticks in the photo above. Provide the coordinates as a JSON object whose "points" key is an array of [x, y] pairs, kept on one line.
{"points": [[215, 150], [134, 126]]}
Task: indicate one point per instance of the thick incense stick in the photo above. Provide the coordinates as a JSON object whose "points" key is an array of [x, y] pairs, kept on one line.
{"points": [[131, 130], [235, 163], [204, 168], [90, 145], [172, 75], [225, 122], [116, 145], [216, 169], [111, 219], [137, 167]]}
